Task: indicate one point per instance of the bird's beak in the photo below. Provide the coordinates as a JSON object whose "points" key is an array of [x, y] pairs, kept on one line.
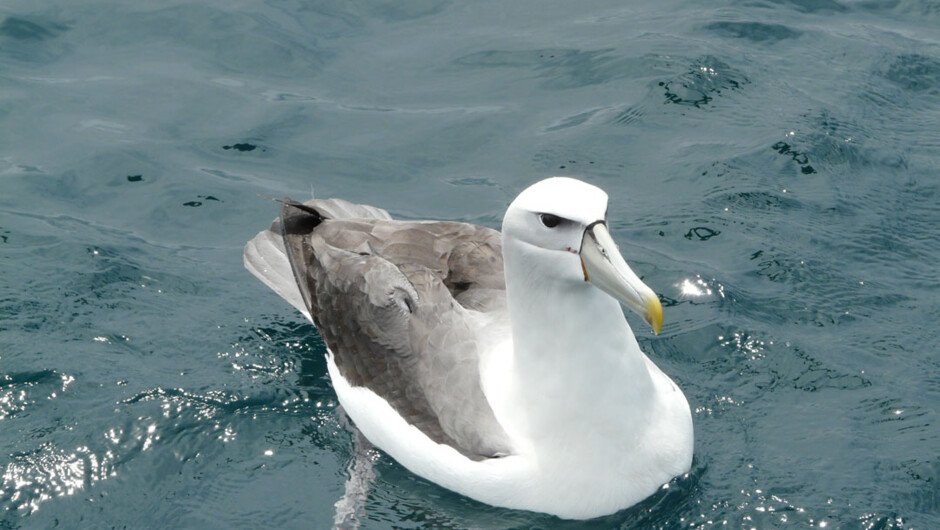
{"points": [[605, 268]]}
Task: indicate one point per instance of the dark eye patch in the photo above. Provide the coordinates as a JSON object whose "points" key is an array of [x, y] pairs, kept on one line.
{"points": [[549, 220]]}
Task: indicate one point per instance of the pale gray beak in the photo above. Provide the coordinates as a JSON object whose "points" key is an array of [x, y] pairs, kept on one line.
{"points": [[605, 267]]}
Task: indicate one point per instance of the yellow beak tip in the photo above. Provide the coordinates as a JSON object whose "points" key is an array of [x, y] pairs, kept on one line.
{"points": [[657, 327], [654, 315]]}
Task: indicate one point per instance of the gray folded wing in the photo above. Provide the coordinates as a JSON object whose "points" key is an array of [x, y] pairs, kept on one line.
{"points": [[400, 304], [266, 257]]}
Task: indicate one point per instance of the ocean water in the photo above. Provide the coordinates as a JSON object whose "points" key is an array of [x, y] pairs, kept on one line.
{"points": [[773, 169]]}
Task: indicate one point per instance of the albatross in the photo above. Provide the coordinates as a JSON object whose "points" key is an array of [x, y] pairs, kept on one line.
{"points": [[497, 365]]}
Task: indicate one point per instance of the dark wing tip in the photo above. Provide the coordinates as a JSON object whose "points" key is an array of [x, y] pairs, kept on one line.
{"points": [[297, 223], [298, 218]]}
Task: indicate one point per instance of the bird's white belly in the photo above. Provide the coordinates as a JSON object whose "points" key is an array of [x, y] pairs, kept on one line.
{"points": [[594, 475]]}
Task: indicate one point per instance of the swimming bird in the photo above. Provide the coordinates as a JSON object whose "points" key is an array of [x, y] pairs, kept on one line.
{"points": [[499, 366]]}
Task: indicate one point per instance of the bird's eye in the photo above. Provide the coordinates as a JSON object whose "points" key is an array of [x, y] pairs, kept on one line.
{"points": [[549, 220]]}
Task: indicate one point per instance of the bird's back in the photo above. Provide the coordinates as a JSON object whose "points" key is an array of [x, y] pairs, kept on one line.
{"points": [[401, 305]]}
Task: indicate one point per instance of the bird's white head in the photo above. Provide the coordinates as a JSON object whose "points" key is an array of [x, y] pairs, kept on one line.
{"points": [[558, 226]]}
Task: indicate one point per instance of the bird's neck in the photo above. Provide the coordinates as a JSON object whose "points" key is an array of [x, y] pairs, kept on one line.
{"points": [[575, 362]]}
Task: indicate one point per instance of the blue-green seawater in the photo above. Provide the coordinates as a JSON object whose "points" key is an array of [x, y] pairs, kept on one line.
{"points": [[773, 169]]}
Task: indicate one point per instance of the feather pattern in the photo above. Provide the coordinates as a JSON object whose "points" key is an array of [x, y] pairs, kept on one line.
{"points": [[401, 305]]}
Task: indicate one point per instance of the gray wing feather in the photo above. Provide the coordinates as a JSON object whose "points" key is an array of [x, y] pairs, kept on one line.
{"points": [[343, 209], [394, 301], [266, 258]]}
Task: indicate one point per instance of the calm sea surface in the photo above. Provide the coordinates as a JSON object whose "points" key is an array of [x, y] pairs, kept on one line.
{"points": [[774, 173]]}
